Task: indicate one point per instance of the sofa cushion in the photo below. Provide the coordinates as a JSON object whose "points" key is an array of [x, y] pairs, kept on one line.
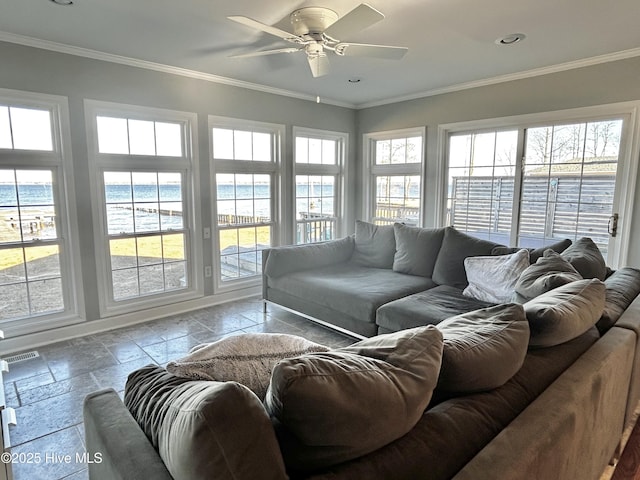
{"points": [[339, 405], [493, 278], [534, 253], [416, 249], [565, 312], [549, 272], [622, 286], [375, 245], [425, 308], [356, 291], [456, 246], [483, 349], [586, 258], [204, 430], [292, 258], [247, 359]]}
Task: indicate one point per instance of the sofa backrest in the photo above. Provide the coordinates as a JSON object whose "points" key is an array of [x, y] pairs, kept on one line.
{"points": [[456, 246]]}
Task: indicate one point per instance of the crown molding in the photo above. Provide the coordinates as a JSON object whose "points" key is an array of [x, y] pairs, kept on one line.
{"points": [[158, 67], [134, 62], [536, 72]]}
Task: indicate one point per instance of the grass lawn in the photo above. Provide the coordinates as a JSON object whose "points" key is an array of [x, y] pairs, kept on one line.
{"points": [[171, 245]]}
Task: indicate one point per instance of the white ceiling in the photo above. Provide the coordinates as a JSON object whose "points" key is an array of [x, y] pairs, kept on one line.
{"points": [[451, 42]]}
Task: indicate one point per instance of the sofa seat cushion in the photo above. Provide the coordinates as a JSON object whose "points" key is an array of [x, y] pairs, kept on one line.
{"points": [[453, 431], [247, 359], [356, 291], [622, 286], [456, 246], [483, 349], [565, 312], [204, 430], [426, 308], [338, 405]]}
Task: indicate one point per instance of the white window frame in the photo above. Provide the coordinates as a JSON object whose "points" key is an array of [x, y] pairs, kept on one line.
{"points": [[338, 171], [60, 161], [627, 163], [371, 170], [187, 165], [272, 168]]}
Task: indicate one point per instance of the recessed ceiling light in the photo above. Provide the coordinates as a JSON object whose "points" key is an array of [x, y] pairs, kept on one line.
{"points": [[354, 80], [510, 39], [64, 3]]}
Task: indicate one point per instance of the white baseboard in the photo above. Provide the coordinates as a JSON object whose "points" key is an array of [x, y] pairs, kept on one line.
{"points": [[38, 339]]}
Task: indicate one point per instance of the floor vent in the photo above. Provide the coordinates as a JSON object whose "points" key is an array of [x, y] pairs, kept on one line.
{"points": [[21, 357]]}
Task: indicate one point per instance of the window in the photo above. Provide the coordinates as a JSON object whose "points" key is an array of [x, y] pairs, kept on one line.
{"points": [[144, 169], [245, 165], [564, 186], [395, 171], [37, 273], [319, 160]]}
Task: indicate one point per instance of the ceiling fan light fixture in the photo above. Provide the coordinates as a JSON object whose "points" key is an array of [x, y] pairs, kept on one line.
{"points": [[64, 3], [510, 39], [354, 80]]}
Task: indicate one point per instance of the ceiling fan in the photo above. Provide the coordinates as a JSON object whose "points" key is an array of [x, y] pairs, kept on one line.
{"points": [[317, 30]]}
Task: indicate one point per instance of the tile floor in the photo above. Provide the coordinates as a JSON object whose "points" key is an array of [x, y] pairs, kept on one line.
{"points": [[47, 392]]}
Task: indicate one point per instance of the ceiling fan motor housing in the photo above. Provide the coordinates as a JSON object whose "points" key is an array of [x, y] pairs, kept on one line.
{"points": [[312, 20]]}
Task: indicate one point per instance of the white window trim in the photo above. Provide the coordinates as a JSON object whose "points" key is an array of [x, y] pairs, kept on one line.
{"points": [[628, 164], [61, 161], [273, 168], [340, 170], [187, 164], [370, 169]]}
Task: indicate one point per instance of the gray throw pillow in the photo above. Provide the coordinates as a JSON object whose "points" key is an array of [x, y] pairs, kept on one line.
{"points": [[549, 272], [456, 246], [345, 403], [375, 245], [416, 249], [204, 430], [483, 349], [565, 313], [247, 359], [534, 253], [586, 258]]}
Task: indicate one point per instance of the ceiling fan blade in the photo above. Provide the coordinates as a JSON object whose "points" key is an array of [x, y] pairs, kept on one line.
{"points": [[250, 22], [357, 19], [266, 52], [376, 51], [319, 65]]}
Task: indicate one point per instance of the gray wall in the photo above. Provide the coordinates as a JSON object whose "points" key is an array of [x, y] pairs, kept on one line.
{"points": [[78, 78], [605, 83]]}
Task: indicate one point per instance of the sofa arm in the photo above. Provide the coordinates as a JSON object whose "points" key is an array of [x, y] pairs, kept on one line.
{"points": [[113, 438], [280, 261]]}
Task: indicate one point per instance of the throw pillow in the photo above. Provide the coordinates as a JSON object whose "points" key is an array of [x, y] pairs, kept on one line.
{"points": [[586, 258], [204, 430], [622, 287], [483, 349], [247, 359], [565, 313], [375, 245], [345, 403], [416, 249], [549, 272], [534, 253], [493, 278], [456, 246]]}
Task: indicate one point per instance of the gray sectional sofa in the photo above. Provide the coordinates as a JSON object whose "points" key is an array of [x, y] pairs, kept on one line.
{"points": [[560, 416]]}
